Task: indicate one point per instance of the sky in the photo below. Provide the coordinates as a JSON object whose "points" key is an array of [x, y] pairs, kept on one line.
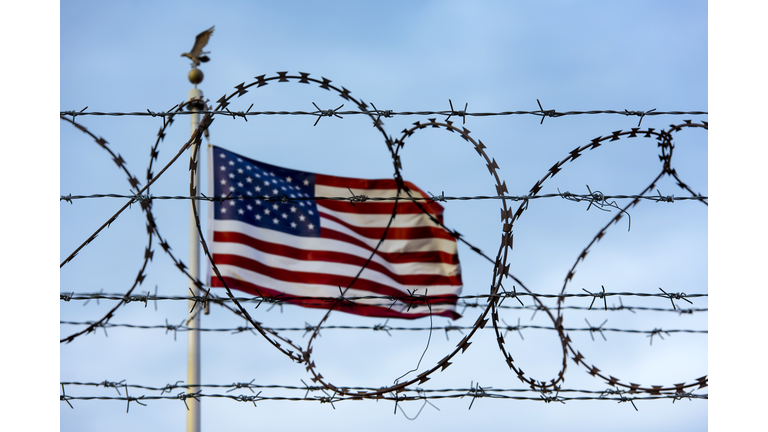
{"points": [[492, 56]]}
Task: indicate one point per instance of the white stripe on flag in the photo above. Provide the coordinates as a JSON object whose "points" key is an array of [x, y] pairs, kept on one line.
{"points": [[318, 290], [408, 268]]}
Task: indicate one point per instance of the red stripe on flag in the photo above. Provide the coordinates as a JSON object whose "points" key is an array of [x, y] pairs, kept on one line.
{"points": [[378, 207], [313, 278], [291, 252], [358, 309], [394, 257], [352, 183], [393, 233]]}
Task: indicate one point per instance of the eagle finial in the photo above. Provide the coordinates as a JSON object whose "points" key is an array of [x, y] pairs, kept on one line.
{"points": [[197, 54]]}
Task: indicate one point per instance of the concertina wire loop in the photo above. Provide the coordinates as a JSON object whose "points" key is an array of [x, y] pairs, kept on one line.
{"points": [[501, 269]]}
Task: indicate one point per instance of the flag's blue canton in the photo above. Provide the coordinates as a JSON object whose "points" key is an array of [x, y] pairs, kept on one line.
{"points": [[235, 175]]}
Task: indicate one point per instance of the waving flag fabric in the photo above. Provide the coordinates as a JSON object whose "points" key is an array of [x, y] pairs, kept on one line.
{"points": [[280, 243]]}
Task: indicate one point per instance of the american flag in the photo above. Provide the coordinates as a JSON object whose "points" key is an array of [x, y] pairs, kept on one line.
{"points": [[278, 242]]}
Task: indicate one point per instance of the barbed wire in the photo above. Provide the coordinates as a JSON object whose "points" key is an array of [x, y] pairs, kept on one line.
{"points": [[72, 296], [417, 394], [497, 295], [378, 327], [117, 385], [595, 198], [386, 113], [621, 307], [282, 299], [399, 397], [152, 228]]}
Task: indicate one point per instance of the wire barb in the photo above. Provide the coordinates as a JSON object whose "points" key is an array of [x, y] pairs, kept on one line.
{"points": [[517, 328], [383, 327], [254, 398], [356, 198], [247, 385], [325, 113], [657, 331], [200, 299], [130, 399], [64, 397], [184, 396], [593, 329], [506, 294], [555, 398], [668, 198], [639, 113], [597, 296], [379, 114], [475, 392], [461, 114], [675, 296], [169, 387], [547, 113]]}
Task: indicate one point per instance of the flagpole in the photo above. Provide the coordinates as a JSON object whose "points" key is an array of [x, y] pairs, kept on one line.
{"points": [[193, 336]]}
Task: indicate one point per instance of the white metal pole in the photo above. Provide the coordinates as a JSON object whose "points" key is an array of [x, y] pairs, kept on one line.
{"points": [[193, 337]]}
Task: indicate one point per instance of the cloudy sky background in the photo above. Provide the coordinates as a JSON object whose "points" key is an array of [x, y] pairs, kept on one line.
{"points": [[404, 57]]}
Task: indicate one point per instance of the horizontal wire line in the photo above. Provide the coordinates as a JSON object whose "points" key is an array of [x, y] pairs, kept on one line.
{"points": [[385, 113], [143, 298], [250, 385], [376, 328], [459, 304], [363, 198], [336, 398]]}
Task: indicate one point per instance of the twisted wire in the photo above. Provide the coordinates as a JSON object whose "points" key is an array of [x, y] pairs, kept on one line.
{"points": [[501, 269]]}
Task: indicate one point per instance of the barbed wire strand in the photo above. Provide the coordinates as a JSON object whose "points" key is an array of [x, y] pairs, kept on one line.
{"points": [[387, 328], [593, 198], [387, 113]]}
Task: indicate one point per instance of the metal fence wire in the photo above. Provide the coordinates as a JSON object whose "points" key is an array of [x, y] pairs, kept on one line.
{"points": [[507, 291]]}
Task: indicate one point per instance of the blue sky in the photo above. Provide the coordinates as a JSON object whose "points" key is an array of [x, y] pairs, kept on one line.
{"points": [[403, 57], [495, 56]]}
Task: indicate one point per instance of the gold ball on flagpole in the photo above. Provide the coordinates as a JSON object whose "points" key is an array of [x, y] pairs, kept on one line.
{"points": [[195, 76]]}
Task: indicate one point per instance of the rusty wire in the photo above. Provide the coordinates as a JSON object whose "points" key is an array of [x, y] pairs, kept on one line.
{"points": [[497, 292]]}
